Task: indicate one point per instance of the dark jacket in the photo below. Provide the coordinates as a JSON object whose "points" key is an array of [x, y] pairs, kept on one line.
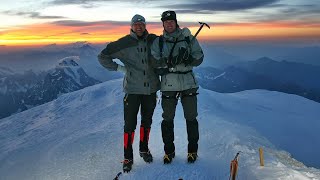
{"points": [[135, 54]]}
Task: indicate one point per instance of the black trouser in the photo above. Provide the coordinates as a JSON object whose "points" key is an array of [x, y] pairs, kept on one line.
{"points": [[189, 104], [132, 103]]}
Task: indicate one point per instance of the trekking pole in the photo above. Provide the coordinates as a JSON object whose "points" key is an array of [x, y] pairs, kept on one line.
{"points": [[234, 167]]}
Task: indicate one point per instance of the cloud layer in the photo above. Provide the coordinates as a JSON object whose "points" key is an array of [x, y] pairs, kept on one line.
{"points": [[35, 15], [221, 5]]}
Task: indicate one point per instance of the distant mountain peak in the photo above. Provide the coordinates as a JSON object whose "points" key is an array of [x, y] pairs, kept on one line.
{"points": [[70, 61], [265, 59], [80, 44], [51, 45], [87, 47]]}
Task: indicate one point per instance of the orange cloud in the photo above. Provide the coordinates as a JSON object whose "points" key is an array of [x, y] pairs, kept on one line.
{"points": [[261, 31], [55, 33], [101, 32]]}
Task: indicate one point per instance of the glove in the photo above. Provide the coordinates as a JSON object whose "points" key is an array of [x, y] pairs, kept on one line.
{"points": [[189, 60], [122, 69], [161, 71], [181, 57], [165, 63]]}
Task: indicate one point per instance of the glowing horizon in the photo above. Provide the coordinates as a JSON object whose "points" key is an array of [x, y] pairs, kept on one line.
{"points": [[97, 21], [42, 34]]}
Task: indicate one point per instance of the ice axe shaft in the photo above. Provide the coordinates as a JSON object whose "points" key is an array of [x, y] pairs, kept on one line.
{"points": [[202, 24], [194, 37]]}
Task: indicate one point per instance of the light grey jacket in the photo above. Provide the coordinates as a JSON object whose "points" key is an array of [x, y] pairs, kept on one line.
{"points": [[135, 54], [174, 81]]}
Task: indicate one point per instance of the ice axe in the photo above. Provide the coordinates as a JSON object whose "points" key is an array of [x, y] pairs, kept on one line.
{"points": [[186, 53], [202, 24]]}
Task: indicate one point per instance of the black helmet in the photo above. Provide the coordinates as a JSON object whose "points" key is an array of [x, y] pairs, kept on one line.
{"points": [[168, 15]]}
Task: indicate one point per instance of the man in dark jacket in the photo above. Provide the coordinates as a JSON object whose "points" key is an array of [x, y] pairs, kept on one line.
{"points": [[140, 84], [175, 54]]}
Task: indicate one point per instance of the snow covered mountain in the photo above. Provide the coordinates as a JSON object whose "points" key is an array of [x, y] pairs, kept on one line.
{"points": [[13, 89], [12, 82], [4, 71], [45, 58], [66, 77], [20, 92], [79, 136], [304, 75], [233, 79], [264, 73]]}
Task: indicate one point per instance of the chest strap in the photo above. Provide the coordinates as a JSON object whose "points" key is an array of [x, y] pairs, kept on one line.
{"points": [[180, 72]]}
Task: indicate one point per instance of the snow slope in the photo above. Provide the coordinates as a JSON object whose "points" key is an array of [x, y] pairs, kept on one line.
{"points": [[79, 136]]}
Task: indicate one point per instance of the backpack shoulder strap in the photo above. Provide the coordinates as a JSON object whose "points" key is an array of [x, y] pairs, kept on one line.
{"points": [[187, 39], [161, 45]]}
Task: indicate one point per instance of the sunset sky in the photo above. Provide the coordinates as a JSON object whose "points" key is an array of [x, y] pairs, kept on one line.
{"points": [[35, 22]]}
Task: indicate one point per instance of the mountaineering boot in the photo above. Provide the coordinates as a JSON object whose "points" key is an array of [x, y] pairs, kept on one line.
{"points": [[127, 165], [128, 152], [147, 156], [193, 138], [168, 138], [192, 157], [143, 146], [167, 158]]}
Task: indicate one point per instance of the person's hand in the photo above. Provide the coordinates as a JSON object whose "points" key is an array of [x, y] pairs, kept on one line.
{"points": [[169, 63], [182, 56], [122, 69], [189, 60]]}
